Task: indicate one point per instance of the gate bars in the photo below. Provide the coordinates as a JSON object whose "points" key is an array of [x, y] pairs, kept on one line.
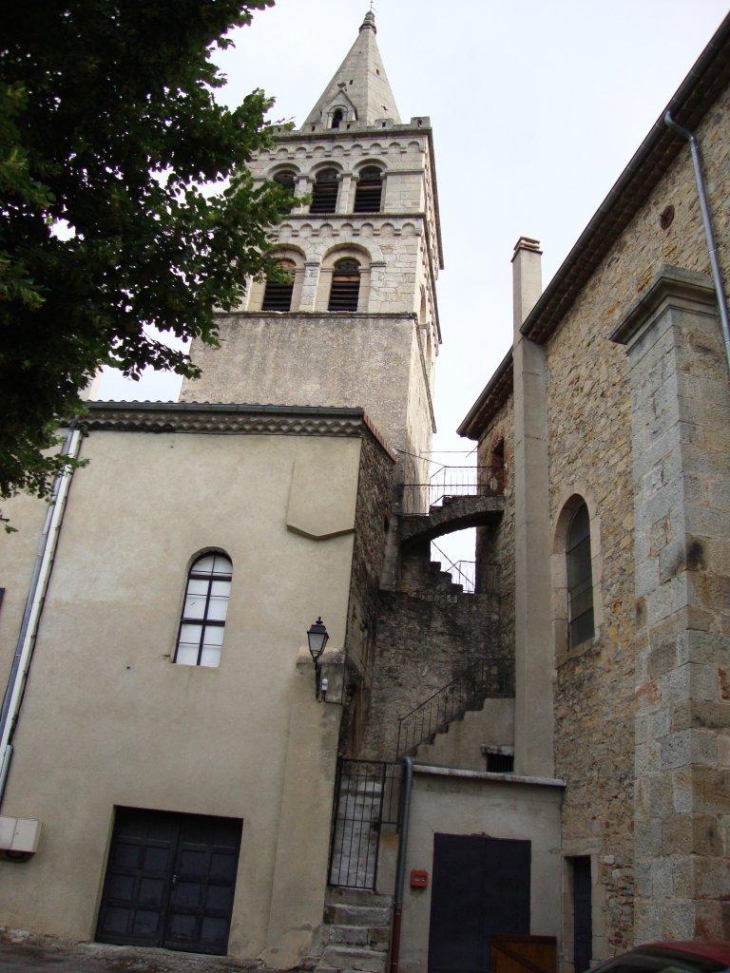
{"points": [[367, 795]]}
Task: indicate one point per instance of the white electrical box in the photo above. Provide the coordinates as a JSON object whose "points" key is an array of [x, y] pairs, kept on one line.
{"points": [[19, 835]]}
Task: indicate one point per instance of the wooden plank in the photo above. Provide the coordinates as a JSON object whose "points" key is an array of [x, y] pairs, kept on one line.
{"points": [[523, 954]]}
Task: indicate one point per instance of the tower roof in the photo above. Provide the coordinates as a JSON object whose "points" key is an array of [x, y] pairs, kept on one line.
{"points": [[360, 88]]}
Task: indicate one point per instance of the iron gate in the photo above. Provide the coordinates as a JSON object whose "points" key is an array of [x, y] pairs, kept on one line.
{"points": [[367, 796]]}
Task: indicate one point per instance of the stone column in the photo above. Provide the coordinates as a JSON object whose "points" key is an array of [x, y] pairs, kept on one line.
{"points": [[346, 195], [307, 301], [533, 620], [681, 471], [303, 188]]}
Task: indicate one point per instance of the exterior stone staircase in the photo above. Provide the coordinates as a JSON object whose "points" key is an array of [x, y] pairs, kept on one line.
{"points": [[355, 935], [461, 744]]}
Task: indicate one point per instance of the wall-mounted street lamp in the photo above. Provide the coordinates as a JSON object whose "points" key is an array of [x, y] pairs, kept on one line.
{"points": [[317, 637]]}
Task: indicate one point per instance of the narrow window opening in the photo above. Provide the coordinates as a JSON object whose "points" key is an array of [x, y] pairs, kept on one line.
{"points": [[200, 638], [580, 578], [287, 179], [337, 118], [345, 289], [369, 191], [278, 293], [324, 192]]}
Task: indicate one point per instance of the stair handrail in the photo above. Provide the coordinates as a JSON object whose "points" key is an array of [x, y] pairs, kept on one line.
{"points": [[468, 688], [465, 580]]}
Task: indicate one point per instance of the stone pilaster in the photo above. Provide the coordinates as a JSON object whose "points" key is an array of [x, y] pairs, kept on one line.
{"points": [[681, 471], [310, 283], [533, 620]]}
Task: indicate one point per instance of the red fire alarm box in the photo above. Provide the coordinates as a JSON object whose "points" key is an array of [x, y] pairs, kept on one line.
{"points": [[419, 878]]}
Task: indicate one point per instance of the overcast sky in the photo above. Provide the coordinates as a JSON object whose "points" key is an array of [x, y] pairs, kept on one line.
{"points": [[536, 106]]}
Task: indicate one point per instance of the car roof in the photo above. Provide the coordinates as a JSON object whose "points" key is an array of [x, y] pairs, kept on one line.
{"points": [[718, 950]]}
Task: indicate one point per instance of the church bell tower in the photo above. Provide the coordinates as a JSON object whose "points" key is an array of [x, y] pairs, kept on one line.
{"points": [[357, 323]]}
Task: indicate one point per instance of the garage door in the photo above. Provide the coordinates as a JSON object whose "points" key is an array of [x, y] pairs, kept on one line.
{"points": [[481, 887], [170, 881]]}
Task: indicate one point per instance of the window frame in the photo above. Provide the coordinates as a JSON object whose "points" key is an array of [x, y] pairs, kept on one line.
{"points": [[274, 289], [342, 287], [204, 622], [365, 191], [330, 198], [579, 577]]}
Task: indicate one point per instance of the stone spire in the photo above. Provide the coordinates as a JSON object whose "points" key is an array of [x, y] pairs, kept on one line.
{"points": [[359, 93]]}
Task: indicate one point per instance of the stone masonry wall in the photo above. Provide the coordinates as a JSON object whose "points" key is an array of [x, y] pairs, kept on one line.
{"points": [[496, 545], [590, 454], [423, 641], [681, 429], [371, 527]]}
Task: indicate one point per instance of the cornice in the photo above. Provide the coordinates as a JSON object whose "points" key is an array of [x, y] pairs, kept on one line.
{"points": [[495, 393], [671, 287], [231, 419]]}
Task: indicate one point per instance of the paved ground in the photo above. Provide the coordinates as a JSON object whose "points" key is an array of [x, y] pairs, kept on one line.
{"points": [[21, 953]]}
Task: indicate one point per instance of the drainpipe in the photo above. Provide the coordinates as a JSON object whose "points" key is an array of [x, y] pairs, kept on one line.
{"points": [[400, 871], [709, 235], [34, 605]]}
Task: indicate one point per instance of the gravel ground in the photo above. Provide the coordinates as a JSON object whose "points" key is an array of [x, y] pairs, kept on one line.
{"points": [[23, 953]]}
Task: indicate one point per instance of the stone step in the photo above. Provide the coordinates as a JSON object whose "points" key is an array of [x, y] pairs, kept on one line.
{"points": [[343, 914], [370, 937], [353, 958], [342, 896]]}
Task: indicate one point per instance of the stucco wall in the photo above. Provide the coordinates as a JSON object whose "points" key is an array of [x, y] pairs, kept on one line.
{"points": [[461, 803], [109, 720], [17, 558], [338, 359]]}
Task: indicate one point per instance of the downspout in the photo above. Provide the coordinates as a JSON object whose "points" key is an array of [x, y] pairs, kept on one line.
{"points": [[42, 567], [400, 871], [709, 235]]}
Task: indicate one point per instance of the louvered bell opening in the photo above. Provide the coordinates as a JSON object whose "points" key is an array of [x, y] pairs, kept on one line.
{"points": [[277, 296], [345, 286], [286, 179], [369, 191], [324, 193]]}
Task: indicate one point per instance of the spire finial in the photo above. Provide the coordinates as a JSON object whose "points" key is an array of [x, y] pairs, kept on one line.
{"points": [[369, 20]]}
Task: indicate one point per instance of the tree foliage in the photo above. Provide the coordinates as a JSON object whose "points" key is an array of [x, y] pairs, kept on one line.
{"points": [[109, 140]]}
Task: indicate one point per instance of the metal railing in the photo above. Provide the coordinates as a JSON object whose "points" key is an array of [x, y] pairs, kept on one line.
{"points": [[367, 796], [467, 691], [462, 572], [457, 481]]}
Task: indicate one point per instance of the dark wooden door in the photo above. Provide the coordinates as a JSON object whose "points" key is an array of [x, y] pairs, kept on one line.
{"points": [[170, 881], [481, 886], [582, 914]]}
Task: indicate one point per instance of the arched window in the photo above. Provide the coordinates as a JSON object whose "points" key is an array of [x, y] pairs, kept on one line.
{"points": [[200, 638], [345, 288], [324, 192], [278, 293], [287, 179], [369, 190], [580, 577], [337, 118]]}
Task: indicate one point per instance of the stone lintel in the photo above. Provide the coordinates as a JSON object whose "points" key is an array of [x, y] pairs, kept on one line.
{"points": [[672, 287]]}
